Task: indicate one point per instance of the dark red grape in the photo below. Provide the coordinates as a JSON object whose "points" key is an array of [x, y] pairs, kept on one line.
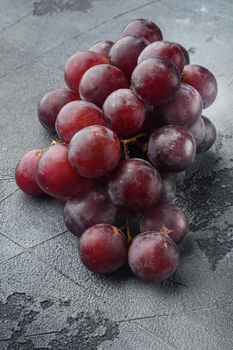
{"points": [[155, 80], [56, 176], [185, 53], [124, 112], [94, 151], [166, 218], [51, 104], [144, 28], [103, 249], [102, 47], [198, 131], [209, 137], [152, 120], [168, 186], [171, 148], [100, 81], [134, 185], [75, 116], [153, 256], [183, 109], [78, 64], [25, 173], [203, 81], [164, 49], [125, 52], [86, 210]]}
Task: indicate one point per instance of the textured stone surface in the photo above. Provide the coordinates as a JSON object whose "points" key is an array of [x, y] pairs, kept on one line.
{"points": [[48, 300]]}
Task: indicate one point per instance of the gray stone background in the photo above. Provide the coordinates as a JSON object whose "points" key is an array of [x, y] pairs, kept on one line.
{"points": [[48, 300]]}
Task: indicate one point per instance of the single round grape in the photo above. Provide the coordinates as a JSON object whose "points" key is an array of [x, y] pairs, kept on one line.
{"points": [[164, 49], [185, 53], [124, 112], [125, 52], [155, 80], [78, 64], [152, 120], [25, 173], [100, 81], [144, 28], [198, 131], [51, 104], [171, 148], [102, 47], [166, 218], [56, 176], [134, 185], [153, 256], [94, 151], [103, 249], [168, 186], [85, 210], [203, 81], [75, 116], [183, 109], [209, 137]]}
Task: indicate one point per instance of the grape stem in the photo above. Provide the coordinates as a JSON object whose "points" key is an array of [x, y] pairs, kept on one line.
{"points": [[126, 228], [134, 139]]}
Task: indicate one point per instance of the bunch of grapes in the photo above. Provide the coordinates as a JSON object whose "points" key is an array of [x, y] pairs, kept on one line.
{"points": [[129, 123]]}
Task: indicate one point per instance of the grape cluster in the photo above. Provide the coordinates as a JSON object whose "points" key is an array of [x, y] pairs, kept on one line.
{"points": [[129, 123]]}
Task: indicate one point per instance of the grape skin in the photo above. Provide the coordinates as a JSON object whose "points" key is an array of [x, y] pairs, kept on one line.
{"points": [[103, 249], [155, 80], [164, 49], [124, 112], [94, 151], [86, 210], [198, 131], [171, 148], [102, 47], [144, 28], [166, 218], [134, 185], [25, 173], [209, 137], [203, 81], [75, 116], [100, 81], [168, 187], [125, 52], [153, 256]]}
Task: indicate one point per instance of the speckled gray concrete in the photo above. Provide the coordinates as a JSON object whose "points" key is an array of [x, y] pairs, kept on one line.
{"points": [[48, 300]]}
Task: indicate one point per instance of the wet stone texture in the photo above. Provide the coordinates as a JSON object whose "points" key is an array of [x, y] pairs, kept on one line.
{"points": [[48, 300]]}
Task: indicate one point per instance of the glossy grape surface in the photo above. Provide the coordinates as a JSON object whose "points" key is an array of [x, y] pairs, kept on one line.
{"points": [[203, 81], [124, 112], [125, 52], [198, 130], [164, 49], [51, 104], [171, 148], [56, 176], [94, 151], [100, 81], [166, 218], [75, 116], [25, 173], [103, 249], [134, 185], [144, 28], [78, 64], [209, 137], [155, 80], [153, 256], [102, 47], [184, 109], [86, 210]]}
